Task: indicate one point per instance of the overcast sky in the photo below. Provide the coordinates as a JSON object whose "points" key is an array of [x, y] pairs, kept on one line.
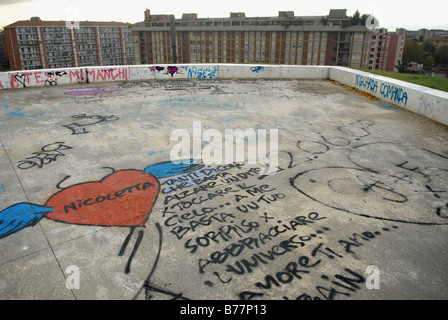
{"points": [[390, 13]]}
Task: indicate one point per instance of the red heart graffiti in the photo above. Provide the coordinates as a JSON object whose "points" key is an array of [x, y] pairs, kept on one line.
{"points": [[123, 198]]}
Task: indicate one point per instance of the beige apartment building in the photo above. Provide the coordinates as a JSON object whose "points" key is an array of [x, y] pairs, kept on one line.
{"points": [[286, 39], [161, 39]]}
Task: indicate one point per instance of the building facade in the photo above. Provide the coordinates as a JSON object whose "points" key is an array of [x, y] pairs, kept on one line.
{"points": [[162, 39], [36, 44], [438, 41], [4, 64], [386, 50], [421, 35], [286, 39]]}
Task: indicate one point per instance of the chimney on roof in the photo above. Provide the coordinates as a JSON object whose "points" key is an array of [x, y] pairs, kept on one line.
{"points": [[147, 14], [286, 14], [189, 16], [35, 19], [337, 13], [237, 15]]}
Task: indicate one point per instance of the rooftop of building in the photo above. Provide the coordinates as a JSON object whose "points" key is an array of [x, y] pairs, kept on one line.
{"points": [[438, 38], [47, 23], [336, 20], [333, 14], [91, 206]]}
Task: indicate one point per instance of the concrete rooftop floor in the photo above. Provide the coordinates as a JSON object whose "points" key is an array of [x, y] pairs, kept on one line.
{"points": [[360, 199]]}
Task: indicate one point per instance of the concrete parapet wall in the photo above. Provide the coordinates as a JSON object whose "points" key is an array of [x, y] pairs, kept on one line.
{"points": [[425, 101], [238, 71], [42, 77]]}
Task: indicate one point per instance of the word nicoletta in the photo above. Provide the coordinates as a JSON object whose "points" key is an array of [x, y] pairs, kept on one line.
{"points": [[123, 198], [107, 196], [226, 149]]}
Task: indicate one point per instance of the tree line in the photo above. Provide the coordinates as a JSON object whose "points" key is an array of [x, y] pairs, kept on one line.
{"points": [[423, 53]]}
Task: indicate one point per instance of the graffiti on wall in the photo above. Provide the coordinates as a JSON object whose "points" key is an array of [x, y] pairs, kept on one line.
{"points": [[169, 70], [202, 72], [24, 79], [371, 85], [110, 74], [189, 72], [385, 90], [257, 69]]}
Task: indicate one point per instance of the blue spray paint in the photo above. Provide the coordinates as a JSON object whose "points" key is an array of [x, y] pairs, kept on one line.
{"points": [[257, 69], [19, 216]]}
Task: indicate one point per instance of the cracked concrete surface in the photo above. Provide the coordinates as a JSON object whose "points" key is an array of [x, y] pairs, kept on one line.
{"points": [[360, 197]]}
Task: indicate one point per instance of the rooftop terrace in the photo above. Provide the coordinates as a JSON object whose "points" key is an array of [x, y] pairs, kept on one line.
{"points": [[359, 198]]}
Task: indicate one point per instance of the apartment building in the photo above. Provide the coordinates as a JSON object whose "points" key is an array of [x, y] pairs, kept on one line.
{"points": [[37, 44], [285, 39], [386, 50], [4, 65], [439, 41], [160, 39], [421, 35]]}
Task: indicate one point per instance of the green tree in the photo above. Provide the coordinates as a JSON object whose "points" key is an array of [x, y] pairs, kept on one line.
{"points": [[364, 18], [428, 48], [413, 52], [356, 18], [428, 61], [441, 55]]}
